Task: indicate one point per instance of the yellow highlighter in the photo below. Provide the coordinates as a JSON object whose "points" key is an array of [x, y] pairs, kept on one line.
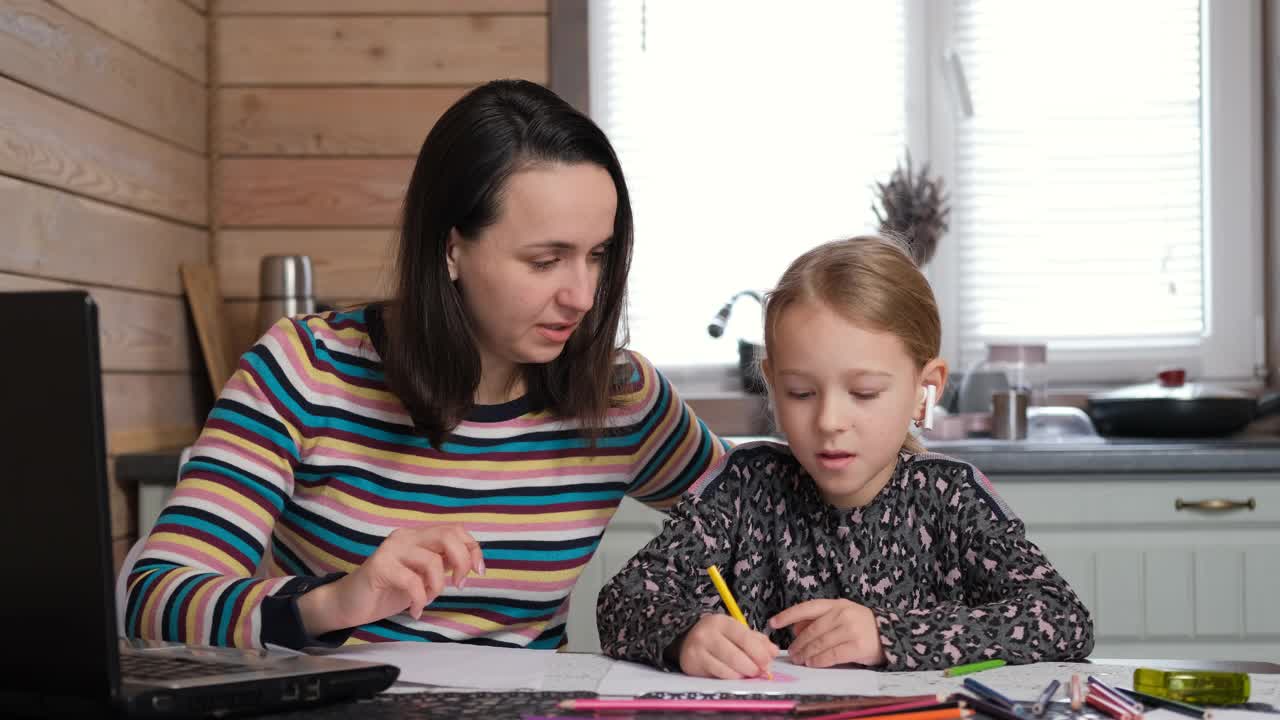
{"points": [[734, 611]]}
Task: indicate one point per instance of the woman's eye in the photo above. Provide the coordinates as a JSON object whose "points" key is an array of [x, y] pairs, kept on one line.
{"points": [[798, 394], [598, 256], [543, 264], [867, 395]]}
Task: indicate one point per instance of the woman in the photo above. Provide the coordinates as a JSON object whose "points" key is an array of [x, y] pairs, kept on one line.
{"points": [[439, 467]]}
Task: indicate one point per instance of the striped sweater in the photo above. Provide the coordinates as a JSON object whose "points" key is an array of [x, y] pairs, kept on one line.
{"points": [[307, 461]]}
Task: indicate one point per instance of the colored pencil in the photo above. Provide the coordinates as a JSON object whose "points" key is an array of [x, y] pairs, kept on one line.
{"points": [[991, 710], [973, 667], [1042, 702], [732, 605], [1181, 708], [1077, 693], [1107, 705], [987, 693], [678, 705], [950, 713], [1122, 700], [861, 703], [895, 710]]}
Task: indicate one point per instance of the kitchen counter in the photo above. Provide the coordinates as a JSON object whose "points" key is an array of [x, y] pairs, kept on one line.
{"points": [[994, 457], [1158, 458]]}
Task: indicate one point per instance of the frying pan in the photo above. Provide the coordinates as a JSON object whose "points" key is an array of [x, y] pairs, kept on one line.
{"points": [[1172, 407]]}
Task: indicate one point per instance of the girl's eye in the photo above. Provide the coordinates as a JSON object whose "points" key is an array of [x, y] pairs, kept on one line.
{"points": [[598, 256], [798, 395], [867, 395], [543, 264]]}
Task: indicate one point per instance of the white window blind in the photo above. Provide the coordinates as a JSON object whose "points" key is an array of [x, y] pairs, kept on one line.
{"points": [[1078, 188], [748, 132]]}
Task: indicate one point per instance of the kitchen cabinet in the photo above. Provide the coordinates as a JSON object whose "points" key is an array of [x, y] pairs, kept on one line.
{"points": [[1164, 575], [1162, 578]]}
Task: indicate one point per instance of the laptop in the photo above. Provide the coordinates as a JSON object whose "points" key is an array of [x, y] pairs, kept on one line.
{"points": [[61, 653]]}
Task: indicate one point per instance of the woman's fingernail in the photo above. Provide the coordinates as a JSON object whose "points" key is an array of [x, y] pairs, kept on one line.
{"points": [[463, 582], [481, 566]]}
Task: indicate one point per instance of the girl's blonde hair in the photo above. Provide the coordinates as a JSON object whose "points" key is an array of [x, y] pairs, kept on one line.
{"points": [[872, 282]]}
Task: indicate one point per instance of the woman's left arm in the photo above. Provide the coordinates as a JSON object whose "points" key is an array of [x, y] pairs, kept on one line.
{"points": [[672, 448], [1016, 606]]}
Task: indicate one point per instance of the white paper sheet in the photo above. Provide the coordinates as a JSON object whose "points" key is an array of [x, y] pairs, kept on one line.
{"points": [[630, 679], [456, 664]]}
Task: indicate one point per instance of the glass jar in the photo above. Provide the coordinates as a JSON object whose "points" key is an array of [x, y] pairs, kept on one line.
{"points": [[1016, 367]]}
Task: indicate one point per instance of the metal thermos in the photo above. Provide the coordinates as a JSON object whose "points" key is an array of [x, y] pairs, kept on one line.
{"points": [[285, 289], [1009, 414]]}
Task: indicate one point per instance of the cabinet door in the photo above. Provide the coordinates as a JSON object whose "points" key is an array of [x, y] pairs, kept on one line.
{"points": [[631, 527], [1162, 581]]}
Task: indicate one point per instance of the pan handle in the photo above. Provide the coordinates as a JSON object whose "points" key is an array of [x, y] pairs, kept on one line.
{"points": [[1268, 403], [1215, 505]]}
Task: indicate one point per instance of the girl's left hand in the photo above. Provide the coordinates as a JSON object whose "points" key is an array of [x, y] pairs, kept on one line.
{"points": [[831, 632]]}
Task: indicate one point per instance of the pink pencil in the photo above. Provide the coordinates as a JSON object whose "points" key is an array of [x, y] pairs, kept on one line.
{"points": [[659, 704]]}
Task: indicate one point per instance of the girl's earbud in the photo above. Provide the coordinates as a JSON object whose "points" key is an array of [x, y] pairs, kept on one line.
{"points": [[930, 398]]}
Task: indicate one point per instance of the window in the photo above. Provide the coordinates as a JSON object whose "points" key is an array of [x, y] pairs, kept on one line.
{"points": [[746, 140], [1105, 183]]}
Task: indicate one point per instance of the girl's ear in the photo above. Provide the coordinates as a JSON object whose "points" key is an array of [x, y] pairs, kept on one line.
{"points": [[935, 373], [766, 371]]}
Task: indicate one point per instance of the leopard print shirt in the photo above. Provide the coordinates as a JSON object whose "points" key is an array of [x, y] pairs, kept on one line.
{"points": [[940, 560]]}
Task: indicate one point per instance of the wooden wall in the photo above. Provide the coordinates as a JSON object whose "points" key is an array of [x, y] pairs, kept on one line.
{"points": [[319, 109], [104, 180]]}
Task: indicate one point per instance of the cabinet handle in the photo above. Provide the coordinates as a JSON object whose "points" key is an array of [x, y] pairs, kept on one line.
{"points": [[1215, 505]]}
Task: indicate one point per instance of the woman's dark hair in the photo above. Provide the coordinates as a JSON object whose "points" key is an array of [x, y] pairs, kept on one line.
{"points": [[431, 358]]}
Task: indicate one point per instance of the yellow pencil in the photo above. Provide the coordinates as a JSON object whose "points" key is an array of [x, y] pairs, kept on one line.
{"points": [[734, 611]]}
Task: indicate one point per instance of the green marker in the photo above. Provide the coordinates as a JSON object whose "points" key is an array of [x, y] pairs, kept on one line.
{"points": [[973, 667]]}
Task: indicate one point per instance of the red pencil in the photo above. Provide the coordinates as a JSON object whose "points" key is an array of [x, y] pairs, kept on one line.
{"points": [[951, 713], [1104, 703]]}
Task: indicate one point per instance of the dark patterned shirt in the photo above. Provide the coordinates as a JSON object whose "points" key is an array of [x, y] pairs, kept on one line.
{"points": [[939, 559]]}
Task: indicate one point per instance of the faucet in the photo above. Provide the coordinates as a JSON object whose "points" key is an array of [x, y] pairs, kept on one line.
{"points": [[749, 353], [716, 328]]}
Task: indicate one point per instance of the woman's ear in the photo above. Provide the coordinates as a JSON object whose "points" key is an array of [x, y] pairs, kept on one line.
{"points": [[451, 249]]}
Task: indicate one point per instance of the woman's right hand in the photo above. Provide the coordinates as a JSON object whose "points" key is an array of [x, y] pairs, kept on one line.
{"points": [[407, 571], [720, 647]]}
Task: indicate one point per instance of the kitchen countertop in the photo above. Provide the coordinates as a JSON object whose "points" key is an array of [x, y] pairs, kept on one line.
{"points": [[1157, 457]]}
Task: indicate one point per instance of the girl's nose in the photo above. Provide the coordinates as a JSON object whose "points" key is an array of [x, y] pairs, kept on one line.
{"points": [[831, 415]]}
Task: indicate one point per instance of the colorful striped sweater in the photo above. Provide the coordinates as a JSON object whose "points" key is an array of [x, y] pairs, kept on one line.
{"points": [[307, 461]]}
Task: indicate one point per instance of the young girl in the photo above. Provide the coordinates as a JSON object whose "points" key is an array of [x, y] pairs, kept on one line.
{"points": [[853, 544]]}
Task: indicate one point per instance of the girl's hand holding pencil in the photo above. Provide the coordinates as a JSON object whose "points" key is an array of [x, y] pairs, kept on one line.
{"points": [[725, 646], [720, 647]]}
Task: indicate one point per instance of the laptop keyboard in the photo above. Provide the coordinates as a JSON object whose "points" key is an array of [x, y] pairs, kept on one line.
{"points": [[154, 667]]}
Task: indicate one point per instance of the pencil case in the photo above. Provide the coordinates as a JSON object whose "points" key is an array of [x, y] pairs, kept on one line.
{"points": [[1198, 687]]}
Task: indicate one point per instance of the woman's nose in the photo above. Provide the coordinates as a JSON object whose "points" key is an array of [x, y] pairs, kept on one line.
{"points": [[579, 291]]}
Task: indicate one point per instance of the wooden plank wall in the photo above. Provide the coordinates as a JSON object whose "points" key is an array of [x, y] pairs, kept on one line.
{"points": [[319, 109], [104, 181]]}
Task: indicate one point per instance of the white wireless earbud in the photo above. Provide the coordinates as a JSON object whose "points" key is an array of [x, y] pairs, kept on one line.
{"points": [[930, 398]]}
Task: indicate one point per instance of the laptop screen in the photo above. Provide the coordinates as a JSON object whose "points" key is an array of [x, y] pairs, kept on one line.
{"points": [[57, 604]]}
